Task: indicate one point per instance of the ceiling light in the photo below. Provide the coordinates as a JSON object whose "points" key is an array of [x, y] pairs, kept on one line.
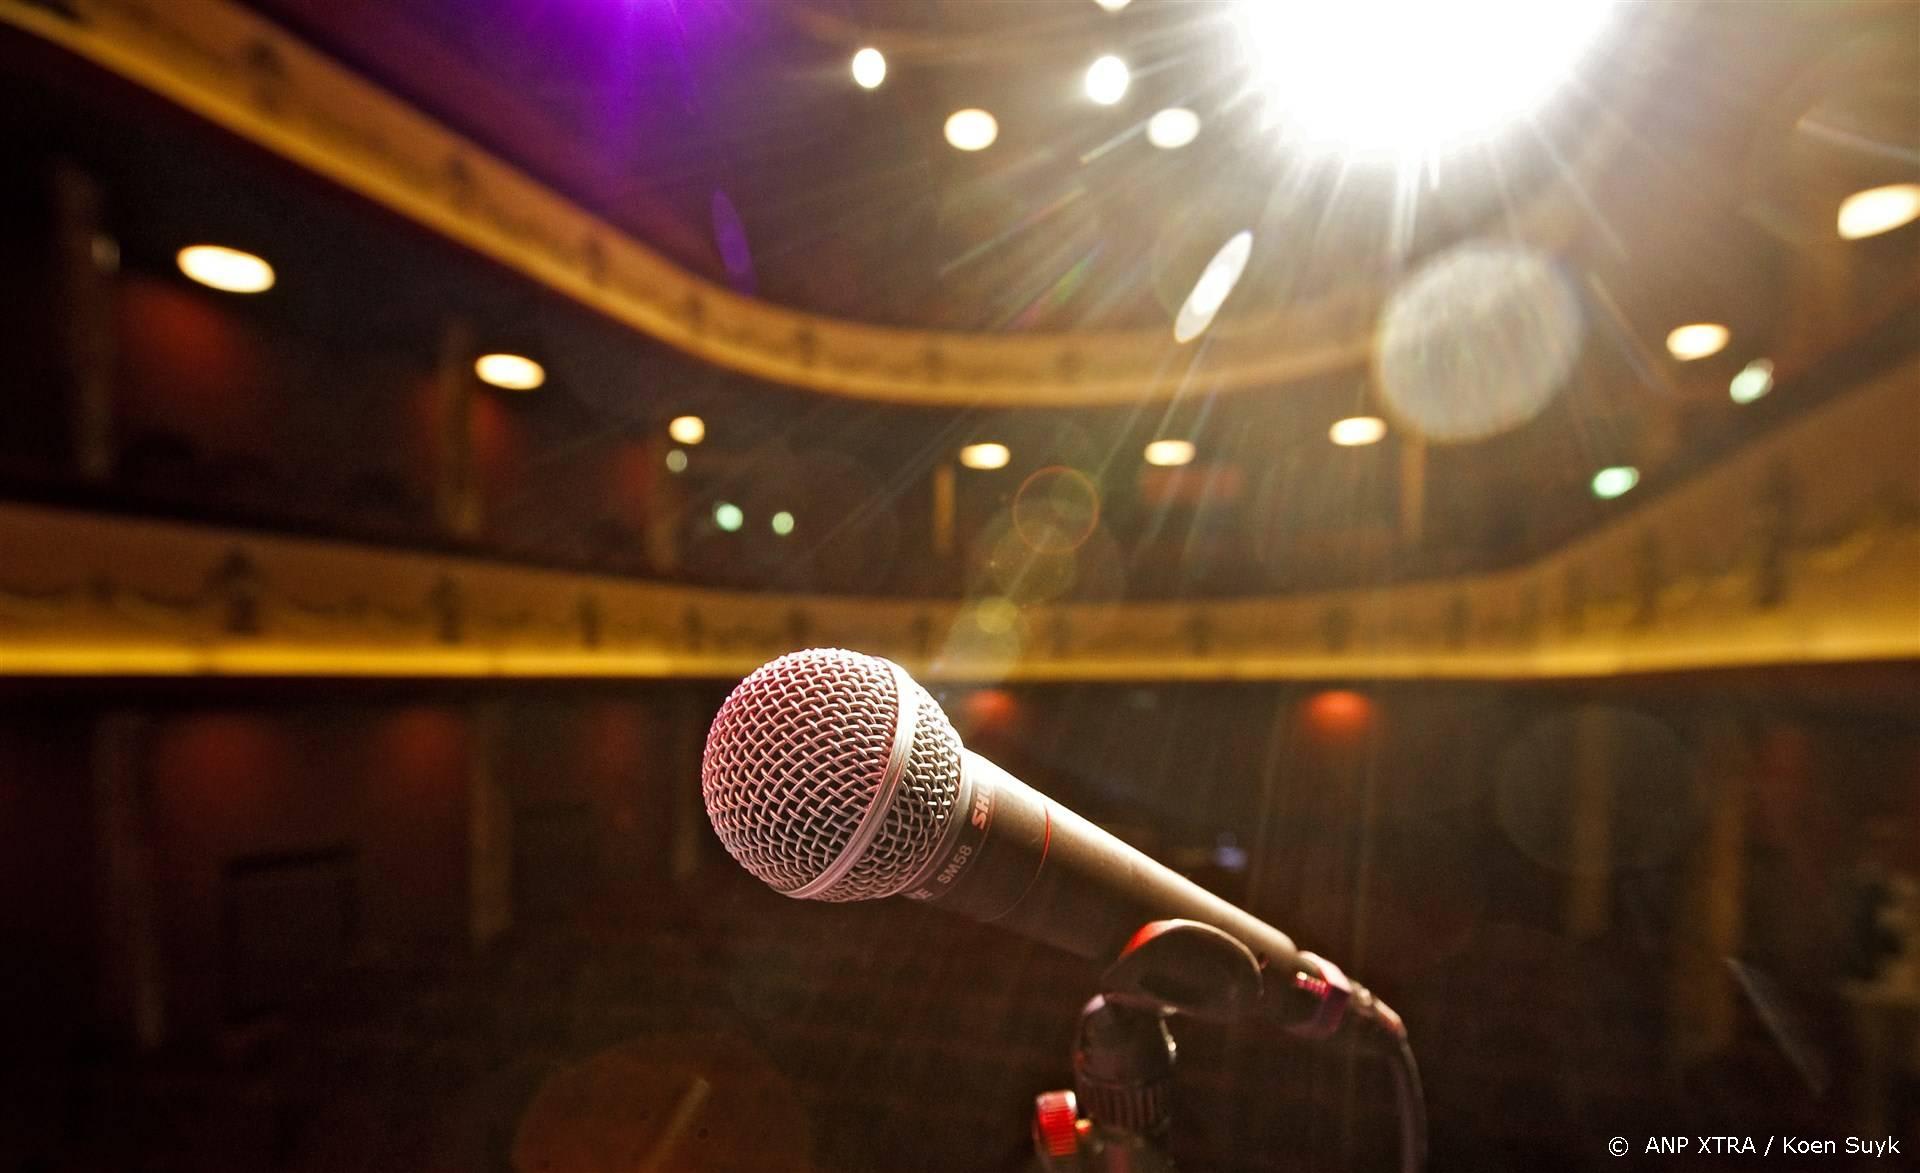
{"points": [[1358, 430], [728, 516], [985, 457], [869, 68], [687, 429], [1210, 292], [1173, 128], [1112, 5], [971, 130], [1699, 340], [1107, 80], [1609, 483], [1753, 381], [226, 269], [1170, 453], [510, 372], [1410, 77], [676, 461], [782, 523], [1878, 209]]}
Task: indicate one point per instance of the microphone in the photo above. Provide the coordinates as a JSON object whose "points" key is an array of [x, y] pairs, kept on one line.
{"points": [[833, 775]]}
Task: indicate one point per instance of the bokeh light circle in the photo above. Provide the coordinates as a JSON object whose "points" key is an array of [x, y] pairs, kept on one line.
{"points": [[1056, 509], [1477, 342], [1654, 802]]}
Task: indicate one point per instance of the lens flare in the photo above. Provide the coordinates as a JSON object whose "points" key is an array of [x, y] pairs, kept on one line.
{"points": [[1210, 292], [1477, 341], [1056, 509]]}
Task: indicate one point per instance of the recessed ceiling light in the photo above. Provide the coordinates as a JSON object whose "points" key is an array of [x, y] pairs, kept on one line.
{"points": [[869, 68], [1113, 5], [676, 461], [1173, 128], [1356, 431], [1210, 292], [510, 372], [1878, 209], [782, 523], [728, 516], [971, 130], [1609, 483], [1699, 340], [1753, 381], [687, 429], [1107, 80], [985, 457], [226, 269], [1170, 453]]}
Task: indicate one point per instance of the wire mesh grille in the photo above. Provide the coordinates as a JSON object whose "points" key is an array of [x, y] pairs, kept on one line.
{"points": [[794, 759]]}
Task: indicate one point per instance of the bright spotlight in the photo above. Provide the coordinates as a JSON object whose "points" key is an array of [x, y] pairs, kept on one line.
{"points": [[1358, 431], [971, 130], [1699, 340], [985, 457], [1170, 453], [728, 516], [1397, 78], [1754, 380], [1878, 209], [509, 372], [1173, 128], [1113, 5], [782, 523], [869, 68], [1210, 292], [226, 269], [1107, 80], [1613, 482], [687, 429]]}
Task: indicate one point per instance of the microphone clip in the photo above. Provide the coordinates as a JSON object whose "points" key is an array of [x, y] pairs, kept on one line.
{"points": [[1119, 1113]]}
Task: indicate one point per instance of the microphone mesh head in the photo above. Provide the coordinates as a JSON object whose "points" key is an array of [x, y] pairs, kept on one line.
{"points": [[794, 762]]}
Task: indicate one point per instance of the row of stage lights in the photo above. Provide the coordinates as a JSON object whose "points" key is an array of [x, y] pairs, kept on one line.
{"points": [[1861, 215], [1106, 83]]}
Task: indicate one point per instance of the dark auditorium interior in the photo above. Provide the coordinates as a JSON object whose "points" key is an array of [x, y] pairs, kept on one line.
{"points": [[1441, 477]]}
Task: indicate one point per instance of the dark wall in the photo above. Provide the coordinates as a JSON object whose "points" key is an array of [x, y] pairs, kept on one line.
{"points": [[313, 859]]}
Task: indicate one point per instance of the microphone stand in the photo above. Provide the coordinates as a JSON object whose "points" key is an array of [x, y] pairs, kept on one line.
{"points": [[1119, 1115]]}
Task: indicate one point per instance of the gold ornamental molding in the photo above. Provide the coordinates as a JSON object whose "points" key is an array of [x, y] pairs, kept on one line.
{"points": [[255, 80], [1802, 548]]}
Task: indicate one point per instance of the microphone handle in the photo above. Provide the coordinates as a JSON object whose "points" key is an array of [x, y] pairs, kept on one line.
{"points": [[1024, 862]]}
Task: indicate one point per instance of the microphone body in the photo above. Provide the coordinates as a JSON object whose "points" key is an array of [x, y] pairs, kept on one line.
{"points": [[1023, 862], [834, 776]]}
